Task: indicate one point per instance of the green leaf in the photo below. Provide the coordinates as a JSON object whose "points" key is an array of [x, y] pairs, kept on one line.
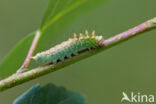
{"points": [[16, 57], [49, 94], [58, 15], [57, 8]]}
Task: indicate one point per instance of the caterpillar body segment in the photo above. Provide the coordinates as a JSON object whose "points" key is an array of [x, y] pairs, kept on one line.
{"points": [[71, 47]]}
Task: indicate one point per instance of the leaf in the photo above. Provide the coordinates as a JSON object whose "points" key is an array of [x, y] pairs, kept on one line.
{"points": [[16, 57], [58, 15], [58, 8], [49, 94]]}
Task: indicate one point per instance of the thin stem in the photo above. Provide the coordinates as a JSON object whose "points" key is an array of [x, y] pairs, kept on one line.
{"points": [[30, 52], [131, 32], [17, 78]]}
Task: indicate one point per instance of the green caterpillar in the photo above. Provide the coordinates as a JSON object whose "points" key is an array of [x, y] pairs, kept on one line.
{"points": [[69, 48]]}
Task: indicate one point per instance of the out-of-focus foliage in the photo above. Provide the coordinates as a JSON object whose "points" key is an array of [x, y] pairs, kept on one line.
{"points": [[50, 94]]}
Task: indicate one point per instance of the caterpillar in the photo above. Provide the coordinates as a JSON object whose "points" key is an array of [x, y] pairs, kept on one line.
{"points": [[70, 48]]}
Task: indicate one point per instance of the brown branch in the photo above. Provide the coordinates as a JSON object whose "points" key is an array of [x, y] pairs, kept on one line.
{"points": [[131, 32]]}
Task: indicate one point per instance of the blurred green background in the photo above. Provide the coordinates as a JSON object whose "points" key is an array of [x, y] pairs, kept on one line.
{"points": [[127, 67]]}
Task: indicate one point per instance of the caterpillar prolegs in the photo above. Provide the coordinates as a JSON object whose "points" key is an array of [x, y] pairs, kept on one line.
{"points": [[70, 48]]}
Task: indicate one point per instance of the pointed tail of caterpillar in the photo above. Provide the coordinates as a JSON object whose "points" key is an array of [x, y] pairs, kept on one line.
{"points": [[70, 48]]}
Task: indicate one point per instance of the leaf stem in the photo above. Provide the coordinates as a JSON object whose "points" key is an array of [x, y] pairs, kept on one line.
{"points": [[30, 52], [17, 78]]}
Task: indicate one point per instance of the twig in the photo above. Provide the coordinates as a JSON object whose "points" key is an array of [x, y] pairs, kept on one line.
{"points": [[131, 32], [17, 79], [30, 52]]}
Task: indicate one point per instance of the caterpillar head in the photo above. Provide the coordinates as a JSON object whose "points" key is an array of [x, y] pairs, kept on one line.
{"points": [[100, 39]]}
